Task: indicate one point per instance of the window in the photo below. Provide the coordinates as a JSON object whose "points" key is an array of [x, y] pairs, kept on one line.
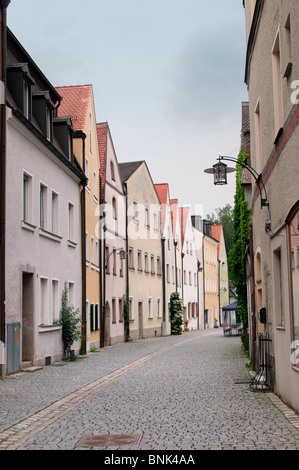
{"points": [[278, 287], [113, 311], [90, 132], [258, 138], [131, 258], [167, 273], [44, 301], [96, 317], [112, 170], [71, 294], [139, 261], [87, 169], [92, 250], [86, 245], [43, 207], [27, 198], [146, 262], [95, 186], [152, 264], [131, 308], [91, 313], [54, 217], [96, 261], [55, 300], [114, 261], [107, 261], [159, 308], [26, 100], [114, 209], [150, 310], [277, 84], [48, 123], [135, 211], [159, 265], [120, 310], [293, 229], [146, 217], [71, 214], [155, 221]]}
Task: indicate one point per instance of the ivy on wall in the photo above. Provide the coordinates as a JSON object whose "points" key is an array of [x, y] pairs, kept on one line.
{"points": [[236, 255]]}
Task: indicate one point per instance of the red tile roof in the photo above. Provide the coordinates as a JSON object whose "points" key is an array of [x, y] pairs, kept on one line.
{"points": [[74, 103], [162, 191], [102, 143], [216, 233]]}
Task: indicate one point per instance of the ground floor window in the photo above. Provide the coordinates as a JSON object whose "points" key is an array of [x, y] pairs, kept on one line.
{"points": [[294, 266]]}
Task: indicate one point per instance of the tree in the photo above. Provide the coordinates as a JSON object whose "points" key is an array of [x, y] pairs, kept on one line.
{"points": [[70, 320], [224, 217], [176, 314], [241, 218]]}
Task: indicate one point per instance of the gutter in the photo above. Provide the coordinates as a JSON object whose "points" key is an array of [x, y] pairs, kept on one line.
{"points": [[3, 4]]}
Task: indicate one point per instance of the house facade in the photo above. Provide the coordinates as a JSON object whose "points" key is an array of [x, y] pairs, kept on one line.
{"points": [[78, 103], [272, 70], [113, 238], [43, 243], [190, 291], [144, 252], [169, 252], [210, 273], [223, 280]]}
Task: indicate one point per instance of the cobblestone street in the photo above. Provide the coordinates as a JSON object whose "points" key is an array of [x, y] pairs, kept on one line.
{"points": [[173, 393]]}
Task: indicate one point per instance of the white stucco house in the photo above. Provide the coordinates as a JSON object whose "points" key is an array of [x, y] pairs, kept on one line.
{"points": [[43, 231]]}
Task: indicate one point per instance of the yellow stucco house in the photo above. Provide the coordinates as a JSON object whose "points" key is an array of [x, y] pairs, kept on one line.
{"points": [[78, 103], [210, 273]]}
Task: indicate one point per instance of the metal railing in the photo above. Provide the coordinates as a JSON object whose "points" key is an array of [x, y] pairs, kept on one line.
{"points": [[261, 380]]}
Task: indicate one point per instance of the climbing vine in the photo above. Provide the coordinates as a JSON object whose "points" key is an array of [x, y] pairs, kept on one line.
{"points": [[237, 265]]}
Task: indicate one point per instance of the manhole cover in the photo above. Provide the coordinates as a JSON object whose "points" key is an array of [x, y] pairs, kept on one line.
{"points": [[109, 440]]}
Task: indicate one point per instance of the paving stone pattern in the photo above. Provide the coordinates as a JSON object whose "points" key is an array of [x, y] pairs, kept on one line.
{"points": [[177, 392]]}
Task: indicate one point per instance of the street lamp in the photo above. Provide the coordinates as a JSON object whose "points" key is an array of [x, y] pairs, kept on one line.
{"points": [[220, 171]]}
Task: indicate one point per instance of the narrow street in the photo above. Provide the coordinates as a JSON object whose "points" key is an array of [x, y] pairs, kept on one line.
{"points": [[172, 393]]}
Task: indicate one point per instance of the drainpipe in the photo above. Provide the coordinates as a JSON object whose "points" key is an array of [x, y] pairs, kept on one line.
{"points": [[3, 5], [175, 262], [127, 322], [252, 293], [163, 286], [79, 134]]}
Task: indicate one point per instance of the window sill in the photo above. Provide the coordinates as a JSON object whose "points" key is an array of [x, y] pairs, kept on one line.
{"points": [[47, 328], [50, 235], [28, 226], [72, 244]]}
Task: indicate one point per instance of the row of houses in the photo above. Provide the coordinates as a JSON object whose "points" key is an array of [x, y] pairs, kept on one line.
{"points": [[74, 218]]}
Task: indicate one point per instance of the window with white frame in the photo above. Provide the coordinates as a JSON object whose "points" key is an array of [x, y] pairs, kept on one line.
{"points": [[27, 198], [55, 300], [43, 209], [87, 169], [139, 261], [152, 264], [131, 308], [95, 186], [44, 301], [92, 249], [159, 310], [96, 261], [54, 212], [71, 294], [71, 217], [86, 246], [146, 262], [150, 308], [146, 217], [277, 83]]}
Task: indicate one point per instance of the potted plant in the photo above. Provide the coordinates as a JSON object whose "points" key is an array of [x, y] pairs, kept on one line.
{"points": [[186, 323]]}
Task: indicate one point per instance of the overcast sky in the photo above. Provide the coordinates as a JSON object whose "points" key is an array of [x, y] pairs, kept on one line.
{"points": [[167, 75]]}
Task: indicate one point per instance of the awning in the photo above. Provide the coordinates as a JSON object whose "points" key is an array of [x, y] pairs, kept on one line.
{"points": [[230, 307]]}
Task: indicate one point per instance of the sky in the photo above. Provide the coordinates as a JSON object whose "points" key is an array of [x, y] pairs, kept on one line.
{"points": [[167, 76]]}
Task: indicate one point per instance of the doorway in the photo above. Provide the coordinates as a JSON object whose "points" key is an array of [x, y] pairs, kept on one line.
{"points": [[140, 320], [27, 351]]}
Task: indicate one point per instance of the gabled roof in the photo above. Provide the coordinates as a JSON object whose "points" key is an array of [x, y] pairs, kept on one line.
{"points": [[128, 168], [216, 233], [75, 99], [174, 213], [102, 143], [162, 191]]}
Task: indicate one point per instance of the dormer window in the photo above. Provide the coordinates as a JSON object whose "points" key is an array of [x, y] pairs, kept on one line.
{"points": [[19, 83], [42, 111], [63, 131]]}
